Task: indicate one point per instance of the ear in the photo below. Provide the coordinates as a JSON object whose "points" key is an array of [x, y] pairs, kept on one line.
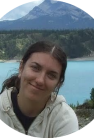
{"points": [[20, 69]]}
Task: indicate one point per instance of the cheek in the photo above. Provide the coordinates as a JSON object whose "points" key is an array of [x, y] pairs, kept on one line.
{"points": [[28, 75], [52, 85]]}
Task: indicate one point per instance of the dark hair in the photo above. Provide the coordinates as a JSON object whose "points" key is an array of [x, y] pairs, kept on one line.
{"points": [[41, 46]]}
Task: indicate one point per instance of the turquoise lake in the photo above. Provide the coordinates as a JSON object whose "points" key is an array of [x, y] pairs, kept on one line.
{"points": [[79, 79]]}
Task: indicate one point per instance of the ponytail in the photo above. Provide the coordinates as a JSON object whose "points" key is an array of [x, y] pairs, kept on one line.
{"points": [[13, 81]]}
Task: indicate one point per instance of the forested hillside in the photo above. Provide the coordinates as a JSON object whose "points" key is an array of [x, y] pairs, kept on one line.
{"points": [[76, 43]]}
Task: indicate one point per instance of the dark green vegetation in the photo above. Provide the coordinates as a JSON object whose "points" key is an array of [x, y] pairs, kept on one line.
{"points": [[76, 43], [92, 96]]}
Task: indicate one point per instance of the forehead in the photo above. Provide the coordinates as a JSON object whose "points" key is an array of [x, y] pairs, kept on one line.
{"points": [[45, 59]]}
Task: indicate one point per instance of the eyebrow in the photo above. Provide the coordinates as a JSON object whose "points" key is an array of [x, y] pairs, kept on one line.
{"points": [[52, 71]]}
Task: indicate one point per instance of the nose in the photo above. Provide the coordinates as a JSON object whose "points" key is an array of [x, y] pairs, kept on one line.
{"points": [[40, 79]]}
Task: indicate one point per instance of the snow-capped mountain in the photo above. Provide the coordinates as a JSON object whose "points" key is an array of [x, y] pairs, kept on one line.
{"points": [[51, 14]]}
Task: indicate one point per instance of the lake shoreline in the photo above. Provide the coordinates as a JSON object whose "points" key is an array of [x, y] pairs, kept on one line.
{"points": [[88, 58], [69, 59], [9, 61]]}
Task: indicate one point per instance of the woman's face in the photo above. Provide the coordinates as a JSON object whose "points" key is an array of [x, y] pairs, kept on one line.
{"points": [[39, 76]]}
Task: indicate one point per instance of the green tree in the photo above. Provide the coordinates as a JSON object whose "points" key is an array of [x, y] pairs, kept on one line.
{"points": [[92, 96]]}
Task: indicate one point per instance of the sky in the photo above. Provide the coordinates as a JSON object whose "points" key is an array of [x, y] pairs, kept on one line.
{"points": [[21, 10]]}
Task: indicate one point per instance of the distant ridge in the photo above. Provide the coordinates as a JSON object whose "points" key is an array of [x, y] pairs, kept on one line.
{"points": [[51, 15]]}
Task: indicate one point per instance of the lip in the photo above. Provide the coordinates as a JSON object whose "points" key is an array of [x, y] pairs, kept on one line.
{"points": [[36, 87]]}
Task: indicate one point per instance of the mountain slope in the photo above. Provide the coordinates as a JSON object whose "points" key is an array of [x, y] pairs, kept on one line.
{"points": [[51, 15]]}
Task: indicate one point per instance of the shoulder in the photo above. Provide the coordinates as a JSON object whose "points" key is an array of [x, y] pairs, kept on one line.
{"points": [[5, 99], [63, 109], [65, 119], [6, 109]]}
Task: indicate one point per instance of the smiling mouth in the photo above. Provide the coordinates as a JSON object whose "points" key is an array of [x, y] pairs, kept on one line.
{"points": [[36, 87]]}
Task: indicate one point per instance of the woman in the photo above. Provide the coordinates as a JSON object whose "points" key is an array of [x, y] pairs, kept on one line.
{"points": [[29, 101]]}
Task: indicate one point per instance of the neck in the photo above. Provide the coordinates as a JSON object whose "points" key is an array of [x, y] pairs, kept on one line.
{"points": [[28, 107]]}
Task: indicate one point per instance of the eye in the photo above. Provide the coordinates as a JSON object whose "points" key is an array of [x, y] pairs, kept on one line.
{"points": [[52, 76], [35, 68]]}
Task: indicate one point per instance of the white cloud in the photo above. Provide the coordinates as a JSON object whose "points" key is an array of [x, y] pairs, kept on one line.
{"points": [[20, 10]]}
